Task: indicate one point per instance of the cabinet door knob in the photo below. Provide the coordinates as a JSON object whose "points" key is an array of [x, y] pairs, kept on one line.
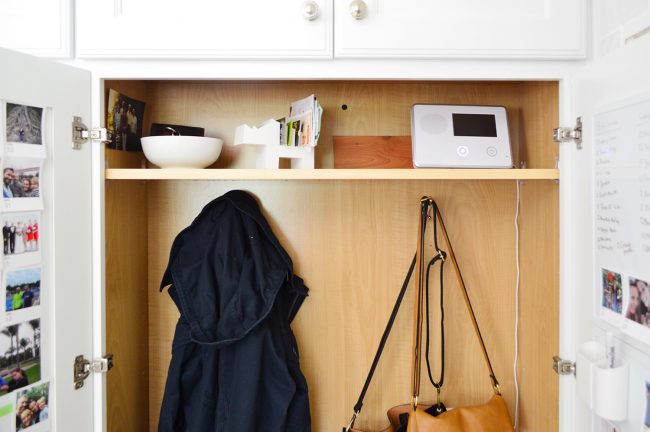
{"points": [[310, 10], [358, 9]]}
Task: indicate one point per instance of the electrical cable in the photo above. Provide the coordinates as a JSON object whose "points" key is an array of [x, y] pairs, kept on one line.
{"points": [[517, 204]]}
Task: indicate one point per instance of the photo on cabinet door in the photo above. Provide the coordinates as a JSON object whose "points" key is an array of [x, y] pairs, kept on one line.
{"points": [[124, 117], [612, 291], [638, 306], [22, 289], [32, 407], [20, 355], [21, 187], [24, 129], [20, 239]]}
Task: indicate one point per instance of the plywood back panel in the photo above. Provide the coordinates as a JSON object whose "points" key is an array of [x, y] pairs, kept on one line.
{"points": [[538, 117], [371, 108], [127, 335], [352, 241]]}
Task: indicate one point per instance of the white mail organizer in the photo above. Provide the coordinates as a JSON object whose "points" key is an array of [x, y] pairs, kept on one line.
{"points": [[269, 150], [604, 389]]}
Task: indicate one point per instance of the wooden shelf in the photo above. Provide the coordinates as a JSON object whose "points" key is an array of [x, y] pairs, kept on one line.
{"points": [[333, 174]]}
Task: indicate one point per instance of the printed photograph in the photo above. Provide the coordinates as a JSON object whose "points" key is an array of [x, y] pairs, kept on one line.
{"points": [[21, 177], [32, 406], [23, 289], [612, 291], [20, 355], [124, 116], [20, 233], [24, 124], [638, 307]]}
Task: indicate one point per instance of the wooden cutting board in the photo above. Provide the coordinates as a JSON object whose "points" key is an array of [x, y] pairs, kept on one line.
{"points": [[372, 152]]}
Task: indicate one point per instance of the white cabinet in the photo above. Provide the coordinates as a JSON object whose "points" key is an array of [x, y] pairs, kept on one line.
{"points": [[137, 236], [200, 29], [38, 27], [553, 29], [203, 29]]}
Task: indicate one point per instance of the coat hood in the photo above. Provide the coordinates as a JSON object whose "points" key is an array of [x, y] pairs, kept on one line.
{"points": [[227, 269]]}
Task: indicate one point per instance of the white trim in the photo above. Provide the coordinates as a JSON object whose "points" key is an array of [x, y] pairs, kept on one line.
{"points": [[567, 348], [339, 69], [98, 257]]}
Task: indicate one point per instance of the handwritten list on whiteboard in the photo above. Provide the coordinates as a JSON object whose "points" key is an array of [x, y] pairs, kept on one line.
{"points": [[622, 213]]}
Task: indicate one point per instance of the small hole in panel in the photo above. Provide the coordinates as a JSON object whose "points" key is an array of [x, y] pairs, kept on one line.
{"points": [[344, 107]]}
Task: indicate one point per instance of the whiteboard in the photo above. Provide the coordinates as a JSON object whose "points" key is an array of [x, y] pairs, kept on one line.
{"points": [[622, 215]]}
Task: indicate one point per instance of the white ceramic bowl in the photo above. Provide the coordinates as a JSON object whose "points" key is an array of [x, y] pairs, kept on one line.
{"points": [[181, 151]]}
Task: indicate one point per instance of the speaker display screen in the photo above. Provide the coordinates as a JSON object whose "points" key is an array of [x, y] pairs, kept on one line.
{"points": [[474, 125]]}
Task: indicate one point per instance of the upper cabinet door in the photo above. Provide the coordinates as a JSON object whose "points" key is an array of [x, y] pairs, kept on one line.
{"points": [[541, 29], [38, 27], [204, 29], [46, 264]]}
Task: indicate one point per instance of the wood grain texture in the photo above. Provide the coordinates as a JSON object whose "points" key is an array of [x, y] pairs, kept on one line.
{"points": [[372, 152], [538, 117], [539, 304], [373, 108], [352, 242], [127, 335], [333, 174]]}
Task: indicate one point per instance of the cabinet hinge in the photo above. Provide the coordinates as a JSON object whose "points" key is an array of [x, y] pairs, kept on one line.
{"points": [[566, 134], [81, 134], [83, 368], [563, 367]]}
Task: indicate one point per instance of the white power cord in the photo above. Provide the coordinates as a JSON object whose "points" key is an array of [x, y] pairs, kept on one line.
{"points": [[518, 200]]}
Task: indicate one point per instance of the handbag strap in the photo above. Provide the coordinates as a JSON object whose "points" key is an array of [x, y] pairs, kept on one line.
{"points": [[416, 366], [425, 204], [428, 205], [440, 256], [380, 349]]}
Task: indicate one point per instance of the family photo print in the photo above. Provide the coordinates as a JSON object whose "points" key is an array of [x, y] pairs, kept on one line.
{"points": [[23, 289], [32, 406], [20, 238], [20, 355], [21, 188]]}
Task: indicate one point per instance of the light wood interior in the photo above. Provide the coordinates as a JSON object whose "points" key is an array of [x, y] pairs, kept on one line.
{"points": [[332, 174], [352, 241]]}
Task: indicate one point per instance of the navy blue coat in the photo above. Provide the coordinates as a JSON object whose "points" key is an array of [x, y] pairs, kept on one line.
{"points": [[234, 363]]}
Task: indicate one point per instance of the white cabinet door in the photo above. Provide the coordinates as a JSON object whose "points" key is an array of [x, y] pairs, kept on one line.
{"points": [[202, 29], [605, 233], [65, 309], [38, 27], [552, 29]]}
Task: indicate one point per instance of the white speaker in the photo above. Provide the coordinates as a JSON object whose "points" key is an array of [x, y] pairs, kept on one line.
{"points": [[460, 136]]}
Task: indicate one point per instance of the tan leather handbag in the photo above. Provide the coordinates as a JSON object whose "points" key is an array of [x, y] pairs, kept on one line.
{"points": [[492, 416]]}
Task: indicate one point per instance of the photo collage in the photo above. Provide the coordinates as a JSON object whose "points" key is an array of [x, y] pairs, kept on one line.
{"points": [[626, 296], [24, 395]]}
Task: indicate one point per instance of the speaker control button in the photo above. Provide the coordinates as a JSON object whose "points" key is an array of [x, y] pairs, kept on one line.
{"points": [[491, 151], [462, 151]]}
